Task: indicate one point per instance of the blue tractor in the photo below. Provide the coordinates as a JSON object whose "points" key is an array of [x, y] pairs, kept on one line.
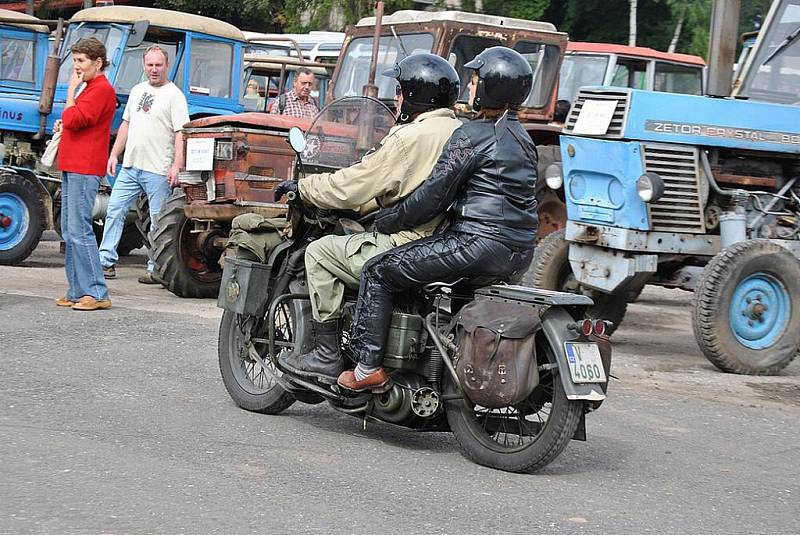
{"points": [[206, 59], [693, 192]]}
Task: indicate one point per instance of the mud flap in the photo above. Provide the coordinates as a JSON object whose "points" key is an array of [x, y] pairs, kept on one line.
{"points": [[554, 324]]}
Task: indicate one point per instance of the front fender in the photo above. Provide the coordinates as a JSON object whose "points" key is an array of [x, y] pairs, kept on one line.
{"points": [[555, 325]]}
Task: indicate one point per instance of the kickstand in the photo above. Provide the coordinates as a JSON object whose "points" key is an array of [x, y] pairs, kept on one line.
{"points": [[367, 413]]}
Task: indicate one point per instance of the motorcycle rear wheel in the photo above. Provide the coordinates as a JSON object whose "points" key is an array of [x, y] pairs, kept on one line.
{"points": [[521, 438], [251, 387]]}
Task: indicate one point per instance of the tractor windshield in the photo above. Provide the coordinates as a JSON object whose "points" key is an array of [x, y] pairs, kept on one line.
{"points": [[578, 71], [354, 72], [774, 72], [110, 35]]}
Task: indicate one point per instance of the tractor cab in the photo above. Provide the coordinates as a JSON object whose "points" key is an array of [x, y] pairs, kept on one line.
{"points": [[24, 48], [267, 77], [205, 55], [636, 67], [457, 37], [772, 68]]}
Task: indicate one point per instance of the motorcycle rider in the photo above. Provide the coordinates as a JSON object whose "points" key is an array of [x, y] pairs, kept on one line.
{"points": [[428, 88], [488, 173]]}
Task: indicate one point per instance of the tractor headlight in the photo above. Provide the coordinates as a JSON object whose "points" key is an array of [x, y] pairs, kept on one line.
{"points": [[650, 187], [553, 176]]}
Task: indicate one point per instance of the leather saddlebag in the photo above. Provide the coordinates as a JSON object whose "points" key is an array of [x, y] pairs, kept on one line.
{"points": [[497, 354]]}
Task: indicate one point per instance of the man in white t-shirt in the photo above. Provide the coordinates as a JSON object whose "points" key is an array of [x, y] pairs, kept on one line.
{"points": [[150, 135]]}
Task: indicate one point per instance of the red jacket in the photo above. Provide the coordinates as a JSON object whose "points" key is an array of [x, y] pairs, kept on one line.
{"points": [[86, 129]]}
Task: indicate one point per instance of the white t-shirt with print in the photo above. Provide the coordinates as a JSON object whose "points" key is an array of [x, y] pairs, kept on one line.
{"points": [[154, 115]]}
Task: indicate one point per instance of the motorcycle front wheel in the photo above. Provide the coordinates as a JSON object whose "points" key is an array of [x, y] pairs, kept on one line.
{"points": [[521, 438], [250, 386]]}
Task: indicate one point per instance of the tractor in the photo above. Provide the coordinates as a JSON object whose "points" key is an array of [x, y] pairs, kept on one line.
{"points": [[693, 192]]}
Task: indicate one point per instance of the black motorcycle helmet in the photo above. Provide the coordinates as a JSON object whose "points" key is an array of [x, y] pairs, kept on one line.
{"points": [[427, 82], [504, 78]]}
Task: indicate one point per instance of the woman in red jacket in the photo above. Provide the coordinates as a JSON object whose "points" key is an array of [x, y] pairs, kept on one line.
{"points": [[82, 155]]}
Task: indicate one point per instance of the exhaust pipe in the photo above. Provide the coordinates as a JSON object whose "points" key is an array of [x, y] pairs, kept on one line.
{"points": [[49, 83]]}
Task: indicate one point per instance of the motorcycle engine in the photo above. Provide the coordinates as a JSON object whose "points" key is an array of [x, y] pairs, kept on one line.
{"points": [[410, 401]]}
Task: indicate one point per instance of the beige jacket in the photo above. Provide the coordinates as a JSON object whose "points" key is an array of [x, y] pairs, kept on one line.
{"points": [[403, 161]]}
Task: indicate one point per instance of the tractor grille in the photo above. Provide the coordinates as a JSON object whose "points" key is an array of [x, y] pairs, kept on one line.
{"points": [[680, 209], [617, 125]]}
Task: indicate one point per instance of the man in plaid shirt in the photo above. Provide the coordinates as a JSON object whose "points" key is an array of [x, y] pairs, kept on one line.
{"points": [[298, 101]]}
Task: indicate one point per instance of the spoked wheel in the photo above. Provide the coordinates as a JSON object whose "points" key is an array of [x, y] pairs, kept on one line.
{"points": [[521, 438], [550, 270], [252, 387]]}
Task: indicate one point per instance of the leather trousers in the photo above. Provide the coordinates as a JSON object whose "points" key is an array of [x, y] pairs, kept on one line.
{"points": [[444, 257]]}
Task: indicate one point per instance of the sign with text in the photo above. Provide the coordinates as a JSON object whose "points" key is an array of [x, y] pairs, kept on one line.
{"points": [[200, 154]]}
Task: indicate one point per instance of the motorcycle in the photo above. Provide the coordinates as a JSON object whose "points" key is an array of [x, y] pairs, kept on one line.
{"points": [[442, 374]]}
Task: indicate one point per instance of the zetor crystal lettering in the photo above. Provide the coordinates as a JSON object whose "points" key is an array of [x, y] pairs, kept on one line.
{"points": [[689, 129]]}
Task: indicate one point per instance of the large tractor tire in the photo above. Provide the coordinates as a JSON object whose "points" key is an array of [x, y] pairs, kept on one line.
{"points": [[550, 270], [182, 268], [143, 219], [747, 308], [22, 218]]}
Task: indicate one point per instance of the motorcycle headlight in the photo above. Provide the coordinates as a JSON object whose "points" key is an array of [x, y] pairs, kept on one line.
{"points": [[553, 176], [650, 187]]}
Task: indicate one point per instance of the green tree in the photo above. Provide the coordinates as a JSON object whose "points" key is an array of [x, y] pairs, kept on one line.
{"points": [[520, 9], [294, 14], [253, 15]]}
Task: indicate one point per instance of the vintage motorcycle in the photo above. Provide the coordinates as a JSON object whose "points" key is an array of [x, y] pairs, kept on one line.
{"points": [[507, 369]]}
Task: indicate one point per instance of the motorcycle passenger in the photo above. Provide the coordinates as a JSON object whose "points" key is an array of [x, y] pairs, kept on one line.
{"points": [[428, 87], [487, 173]]}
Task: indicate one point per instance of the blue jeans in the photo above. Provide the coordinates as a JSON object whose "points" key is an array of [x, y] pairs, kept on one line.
{"points": [[130, 182], [81, 262]]}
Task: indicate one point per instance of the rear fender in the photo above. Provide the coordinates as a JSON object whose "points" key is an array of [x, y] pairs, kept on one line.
{"points": [[41, 190], [555, 324]]}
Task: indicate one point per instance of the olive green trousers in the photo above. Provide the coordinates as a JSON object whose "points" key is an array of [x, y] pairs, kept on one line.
{"points": [[334, 263]]}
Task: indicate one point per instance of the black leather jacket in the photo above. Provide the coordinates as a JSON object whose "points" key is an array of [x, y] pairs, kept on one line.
{"points": [[487, 172]]}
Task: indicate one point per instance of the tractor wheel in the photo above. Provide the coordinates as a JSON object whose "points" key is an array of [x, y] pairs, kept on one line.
{"points": [[22, 218], [184, 269], [747, 308], [143, 219], [550, 270], [131, 239]]}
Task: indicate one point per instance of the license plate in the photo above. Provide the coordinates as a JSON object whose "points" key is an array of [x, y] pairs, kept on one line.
{"points": [[585, 364]]}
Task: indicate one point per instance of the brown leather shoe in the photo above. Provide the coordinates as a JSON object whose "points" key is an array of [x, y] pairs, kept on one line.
{"points": [[376, 382], [87, 302], [64, 302]]}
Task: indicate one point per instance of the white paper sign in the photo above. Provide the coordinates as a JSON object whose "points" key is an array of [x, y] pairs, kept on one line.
{"points": [[594, 118], [200, 154]]}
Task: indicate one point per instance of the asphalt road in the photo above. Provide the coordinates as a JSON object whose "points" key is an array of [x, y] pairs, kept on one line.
{"points": [[117, 422]]}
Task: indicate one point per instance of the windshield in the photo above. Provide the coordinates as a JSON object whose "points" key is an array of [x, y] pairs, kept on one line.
{"points": [[674, 78], [18, 58], [544, 64], [345, 130], [578, 71], [110, 35], [774, 75], [354, 72], [131, 68]]}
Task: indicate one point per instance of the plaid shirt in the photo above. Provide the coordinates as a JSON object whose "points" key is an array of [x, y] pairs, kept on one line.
{"points": [[296, 107]]}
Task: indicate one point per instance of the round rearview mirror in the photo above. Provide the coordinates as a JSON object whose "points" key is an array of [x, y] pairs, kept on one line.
{"points": [[297, 140]]}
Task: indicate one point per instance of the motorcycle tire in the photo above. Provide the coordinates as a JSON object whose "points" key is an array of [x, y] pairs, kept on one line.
{"points": [[486, 436], [250, 387]]}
